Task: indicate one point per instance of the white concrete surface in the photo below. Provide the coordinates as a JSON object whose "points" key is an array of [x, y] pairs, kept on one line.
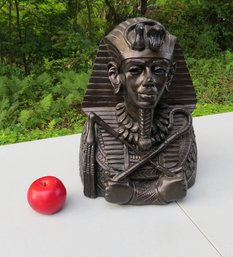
{"points": [[199, 226], [210, 202]]}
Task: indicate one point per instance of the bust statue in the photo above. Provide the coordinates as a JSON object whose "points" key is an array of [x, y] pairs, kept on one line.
{"points": [[138, 145]]}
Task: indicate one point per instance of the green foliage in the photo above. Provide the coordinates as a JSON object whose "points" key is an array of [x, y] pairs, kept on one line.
{"points": [[55, 35], [9, 137], [36, 32], [207, 109], [41, 102], [73, 51], [204, 28], [46, 105], [213, 79], [47, 49]]}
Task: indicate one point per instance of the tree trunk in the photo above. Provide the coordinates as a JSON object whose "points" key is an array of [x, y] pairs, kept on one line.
{"points": [[88, 4], [1, 54], [10, 30], [112, 16], [18, 19], [24, 59], [75, 17], [143, 7]]}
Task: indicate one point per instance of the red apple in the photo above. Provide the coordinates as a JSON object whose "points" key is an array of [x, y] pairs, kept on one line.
{"points": [[47, 195]]}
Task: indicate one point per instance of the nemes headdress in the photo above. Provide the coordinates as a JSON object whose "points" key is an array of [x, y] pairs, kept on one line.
{"points": [[143, 38], [138, 38]]}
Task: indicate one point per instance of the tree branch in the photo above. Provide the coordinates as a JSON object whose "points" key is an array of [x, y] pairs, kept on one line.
{"points": [[1, 6]]}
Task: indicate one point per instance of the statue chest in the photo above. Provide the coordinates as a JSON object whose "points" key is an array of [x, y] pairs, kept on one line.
{"points": [[113, 157]]}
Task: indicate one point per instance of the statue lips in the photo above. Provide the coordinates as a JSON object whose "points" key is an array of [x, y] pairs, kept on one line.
{"points": [[150, 94], [147, 97]]}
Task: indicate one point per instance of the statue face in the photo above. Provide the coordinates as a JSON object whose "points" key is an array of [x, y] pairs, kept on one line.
{"points": [[144, 81]]}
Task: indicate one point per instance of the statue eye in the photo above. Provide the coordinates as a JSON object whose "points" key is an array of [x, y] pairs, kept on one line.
{"points": [[159, 71], [136, 70]]}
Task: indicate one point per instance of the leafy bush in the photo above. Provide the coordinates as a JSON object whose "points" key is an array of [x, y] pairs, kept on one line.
{"points": [[41, 102], [74, 51], [204, 28], [213, 79], [9, 137], [10, 70], [207, 109], [47, 105]]}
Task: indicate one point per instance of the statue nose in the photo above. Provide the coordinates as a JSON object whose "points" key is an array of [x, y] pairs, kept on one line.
{"points": [[150, 82]]}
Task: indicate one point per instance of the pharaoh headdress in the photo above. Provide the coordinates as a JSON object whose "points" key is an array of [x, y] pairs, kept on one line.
{"points": [[132, 38]]}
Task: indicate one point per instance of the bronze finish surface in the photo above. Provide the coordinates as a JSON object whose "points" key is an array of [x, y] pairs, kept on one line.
{"points": [[138, 145]]}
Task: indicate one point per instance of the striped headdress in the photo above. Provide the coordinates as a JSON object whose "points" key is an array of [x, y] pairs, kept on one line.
{"points": [[138, 37]]}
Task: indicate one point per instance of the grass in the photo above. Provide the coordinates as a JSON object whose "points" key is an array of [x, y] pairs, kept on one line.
{"points": [[10, 137], [207, 109]]}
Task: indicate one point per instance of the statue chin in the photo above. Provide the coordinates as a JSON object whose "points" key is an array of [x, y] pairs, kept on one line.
{"points": [[147, 104], [147, 100]]}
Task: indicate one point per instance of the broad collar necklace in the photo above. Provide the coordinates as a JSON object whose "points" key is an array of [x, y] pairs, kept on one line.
{"points": [[129, 129]]}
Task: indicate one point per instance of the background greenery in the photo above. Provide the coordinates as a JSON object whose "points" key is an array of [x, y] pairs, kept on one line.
{"points": [[47, 48]]}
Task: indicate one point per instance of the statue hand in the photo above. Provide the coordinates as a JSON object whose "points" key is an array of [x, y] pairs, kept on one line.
{"points": [[118, 192], [172, 188]]}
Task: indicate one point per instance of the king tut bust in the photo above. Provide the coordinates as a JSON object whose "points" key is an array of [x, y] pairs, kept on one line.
{"points": [[138, 144]]}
